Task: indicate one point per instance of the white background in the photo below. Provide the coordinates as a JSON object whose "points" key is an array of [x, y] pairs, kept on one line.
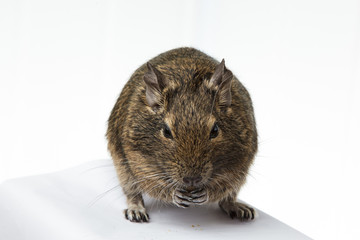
{"points": [[63, 64]]}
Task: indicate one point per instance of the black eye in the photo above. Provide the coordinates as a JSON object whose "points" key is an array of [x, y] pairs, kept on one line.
{"points": [[214, 131], [167, 132]]}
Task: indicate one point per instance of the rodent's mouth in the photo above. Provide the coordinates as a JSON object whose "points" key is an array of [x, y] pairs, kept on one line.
{"points": [[184, 198]]}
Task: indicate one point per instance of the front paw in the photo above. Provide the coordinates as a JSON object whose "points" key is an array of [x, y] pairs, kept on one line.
{"points": [[238, 210], [136, 215], [183, 198]]}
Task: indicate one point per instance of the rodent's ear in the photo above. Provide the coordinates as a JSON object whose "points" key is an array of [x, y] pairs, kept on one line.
{"points": [[155, 82], [221, 79]]}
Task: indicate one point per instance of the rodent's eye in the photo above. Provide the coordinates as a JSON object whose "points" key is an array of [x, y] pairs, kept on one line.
{"points": [[214, 131], [167, 132]]}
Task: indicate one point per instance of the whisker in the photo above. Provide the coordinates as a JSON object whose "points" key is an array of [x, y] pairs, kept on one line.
{"points": [[154, 176], [170, 184], [97, 198]]}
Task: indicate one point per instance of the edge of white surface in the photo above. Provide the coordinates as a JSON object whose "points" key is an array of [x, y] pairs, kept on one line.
{"points": [[86, 202]]}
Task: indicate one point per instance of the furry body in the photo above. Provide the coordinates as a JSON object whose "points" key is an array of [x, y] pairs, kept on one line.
{"points": [[162, 127]]}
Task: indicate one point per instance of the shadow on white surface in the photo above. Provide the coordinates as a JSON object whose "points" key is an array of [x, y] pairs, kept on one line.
{"points": [[86, 202]]}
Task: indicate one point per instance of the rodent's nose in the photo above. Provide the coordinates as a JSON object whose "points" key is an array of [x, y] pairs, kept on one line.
{"points": [[192, 181]]}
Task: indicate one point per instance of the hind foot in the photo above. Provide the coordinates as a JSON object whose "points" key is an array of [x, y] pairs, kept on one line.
{"points": [[136, 215], [238, 210], [136, 211]]}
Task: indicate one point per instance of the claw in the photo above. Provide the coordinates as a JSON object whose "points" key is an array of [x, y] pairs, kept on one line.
{"points": [[136, 215], [238, 210], [183, 198]]}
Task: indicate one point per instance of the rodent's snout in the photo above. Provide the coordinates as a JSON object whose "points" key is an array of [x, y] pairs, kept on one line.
{"points": [[194, 176], [192, 180]]}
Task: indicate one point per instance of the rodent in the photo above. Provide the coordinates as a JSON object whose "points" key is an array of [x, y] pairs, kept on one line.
{"points": [[183, 131]]}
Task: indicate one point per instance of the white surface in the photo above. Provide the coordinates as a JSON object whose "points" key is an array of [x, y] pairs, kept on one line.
{"points": [[63, 64], [71, 205]]}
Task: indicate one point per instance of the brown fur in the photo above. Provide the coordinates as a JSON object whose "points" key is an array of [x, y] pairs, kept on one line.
{"points": [[189, 98]]}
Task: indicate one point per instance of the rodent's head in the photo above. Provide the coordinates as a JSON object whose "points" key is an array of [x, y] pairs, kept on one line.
{"points": [[192, 135]]}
